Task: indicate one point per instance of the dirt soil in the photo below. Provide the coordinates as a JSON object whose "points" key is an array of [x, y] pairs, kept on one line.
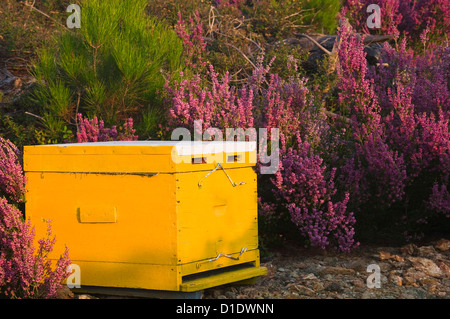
{"points": [[408, 272]]}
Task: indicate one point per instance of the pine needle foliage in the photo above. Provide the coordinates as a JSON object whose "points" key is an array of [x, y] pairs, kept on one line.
{"points": [[113, 67]]}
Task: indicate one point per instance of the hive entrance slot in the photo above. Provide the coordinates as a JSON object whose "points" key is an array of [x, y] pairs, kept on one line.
{"points": [[233, 158], [222, 276], [199, 160], [214, 272]]}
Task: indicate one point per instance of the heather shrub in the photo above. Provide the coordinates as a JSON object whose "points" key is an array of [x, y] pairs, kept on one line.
{"points": [[268, 101], [95, 131], [366, 158], [25, 270], [305, 188], [417, 127], [12, 181], [374, 171], [194, 45], [396, 160], [407, 17], [219, 105]]}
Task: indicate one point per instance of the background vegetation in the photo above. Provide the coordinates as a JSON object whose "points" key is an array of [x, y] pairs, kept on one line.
{"points": [[365, 146]]}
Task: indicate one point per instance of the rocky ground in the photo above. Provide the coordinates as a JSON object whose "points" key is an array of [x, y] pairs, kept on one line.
{"points": [[408, 272]]}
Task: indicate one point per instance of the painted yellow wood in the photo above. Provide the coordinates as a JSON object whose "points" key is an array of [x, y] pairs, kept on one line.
{"points": [[251, 256], [222, 278], [145, 158], [133, 217], [98, 214], [129, 275], [145, 206], [217, 217]]}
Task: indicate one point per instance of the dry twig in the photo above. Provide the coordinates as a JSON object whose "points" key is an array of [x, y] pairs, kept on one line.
{"points": [[43, 13]]}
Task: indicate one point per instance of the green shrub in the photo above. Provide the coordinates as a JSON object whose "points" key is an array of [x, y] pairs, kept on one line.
{"points": [[112, 67], [322, 15]]}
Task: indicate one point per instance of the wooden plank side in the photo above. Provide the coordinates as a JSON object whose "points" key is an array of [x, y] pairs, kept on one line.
{"points": [[217, 217], [98, 163], [127, 275], [250, 256], [137, 159], [144, 230], [223, 278]]}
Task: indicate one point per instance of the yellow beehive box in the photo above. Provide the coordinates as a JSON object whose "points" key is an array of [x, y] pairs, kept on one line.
{"points": [[147, 214]]}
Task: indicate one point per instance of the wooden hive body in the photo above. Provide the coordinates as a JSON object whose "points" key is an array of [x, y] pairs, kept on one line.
{"points": [[145, 215]]}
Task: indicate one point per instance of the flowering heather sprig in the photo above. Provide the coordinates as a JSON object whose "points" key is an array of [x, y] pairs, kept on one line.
{"points": [[193, 43], [390, 14], [24, 273], [371, 166], [286, 104], [95, 131], [12, 180], [401, 142], [356, 91], [425, 77], [416, 105], [219, 105], [286, 107], [439, 200], [126, 132], [409, 17], [431, 89], [303, 189]]}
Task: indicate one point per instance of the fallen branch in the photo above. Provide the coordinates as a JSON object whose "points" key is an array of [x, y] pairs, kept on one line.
{"points": [[242, 53], [297, 13], [44, 14], [315, 42], [337, 116], [34, 115]]}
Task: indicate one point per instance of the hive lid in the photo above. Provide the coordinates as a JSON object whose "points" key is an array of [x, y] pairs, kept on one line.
{"points": [[139, 156]]}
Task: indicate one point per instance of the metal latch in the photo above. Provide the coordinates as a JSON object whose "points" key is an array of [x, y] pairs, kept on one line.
{"points": [[243, 250], [228, 176]]}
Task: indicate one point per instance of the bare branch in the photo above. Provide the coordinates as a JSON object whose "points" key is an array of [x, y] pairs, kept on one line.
{"points": [[242, 53], [297, 13], [34, 115], [315, 42], [44, 14]]}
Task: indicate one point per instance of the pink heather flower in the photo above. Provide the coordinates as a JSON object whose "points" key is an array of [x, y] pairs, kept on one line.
{"points": [[25, 273], [301, 186], [439, 200], [408, 17], [396, 133], [373, 167], [12, 180], [400, 116], [219, 105], [95, 131], [193, 43]]}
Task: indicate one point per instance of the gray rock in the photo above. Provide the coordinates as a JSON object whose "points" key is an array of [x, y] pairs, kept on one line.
{"points": [[334, 286]]}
